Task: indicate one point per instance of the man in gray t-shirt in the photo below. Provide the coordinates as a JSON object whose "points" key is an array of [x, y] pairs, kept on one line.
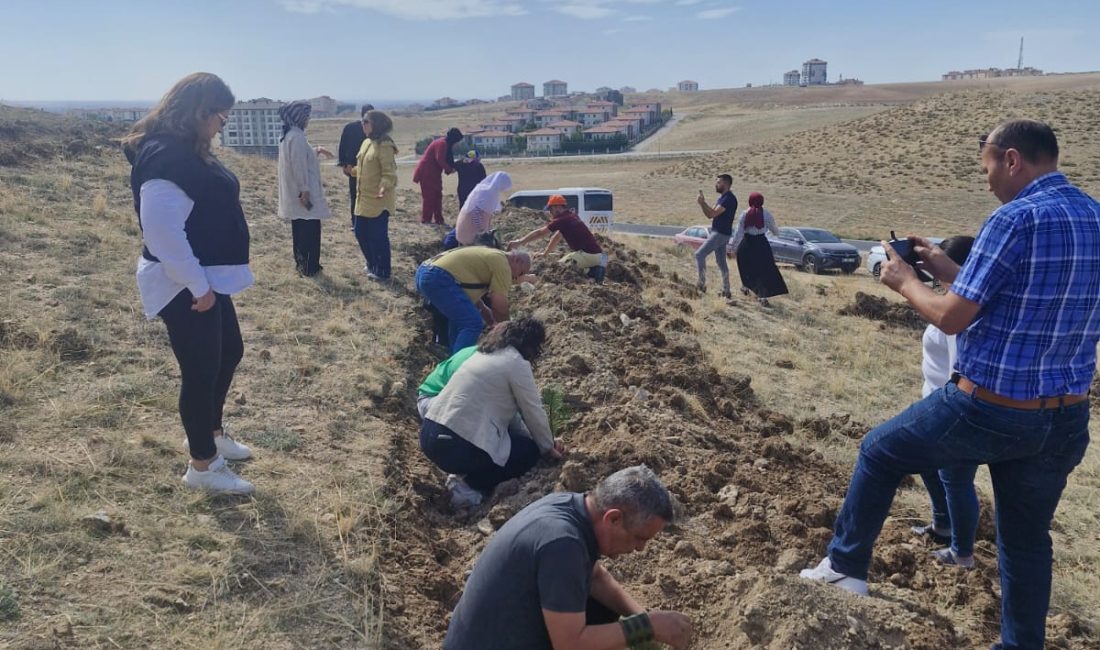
{"points": [[538, 584]]}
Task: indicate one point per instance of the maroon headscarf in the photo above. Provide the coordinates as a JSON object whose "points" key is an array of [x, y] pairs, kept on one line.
{"points": [[754, 218]]}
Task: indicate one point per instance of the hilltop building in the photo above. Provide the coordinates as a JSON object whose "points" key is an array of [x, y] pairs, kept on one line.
{"points": [[254, 126], [688, 86], [814, 73], [991, 73], [323, 106], [792, 78], [628, 89], [523, 91], [555, 88]]}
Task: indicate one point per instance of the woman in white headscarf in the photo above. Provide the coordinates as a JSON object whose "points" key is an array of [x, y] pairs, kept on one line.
{"points": [[301, 195], [476, 216]]}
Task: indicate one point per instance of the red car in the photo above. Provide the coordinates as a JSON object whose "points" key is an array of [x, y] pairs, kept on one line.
{"points": [[695, 236]]}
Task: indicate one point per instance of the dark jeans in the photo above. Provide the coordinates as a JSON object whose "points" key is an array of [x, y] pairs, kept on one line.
{"points": [[1029, 453], [464, 322], [454, 455], [373, 235], [307, 245], [955, 505], [208, 347]]}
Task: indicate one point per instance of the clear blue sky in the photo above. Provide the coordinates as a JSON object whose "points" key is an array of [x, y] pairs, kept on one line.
{"points": [[424, 49]]}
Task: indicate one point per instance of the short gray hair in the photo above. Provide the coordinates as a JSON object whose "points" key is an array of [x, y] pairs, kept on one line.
{"points": [[638, 493], [522, 258]]}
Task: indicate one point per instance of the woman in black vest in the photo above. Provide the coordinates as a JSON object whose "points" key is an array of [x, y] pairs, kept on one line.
{"points": [[195, 256]]}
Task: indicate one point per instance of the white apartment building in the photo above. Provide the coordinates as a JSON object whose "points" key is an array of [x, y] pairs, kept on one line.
{"points": [[814, 73], [111, 114], [254, 126], [544, 140]]}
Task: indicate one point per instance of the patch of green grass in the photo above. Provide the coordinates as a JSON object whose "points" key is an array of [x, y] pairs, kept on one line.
{"points": [[9, 604], [277, 439]]}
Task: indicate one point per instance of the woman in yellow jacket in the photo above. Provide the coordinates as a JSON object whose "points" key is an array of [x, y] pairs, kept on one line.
{"points": [[376, 171]]}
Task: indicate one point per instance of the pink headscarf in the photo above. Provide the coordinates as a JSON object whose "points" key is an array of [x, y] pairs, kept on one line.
{"points": [[754, 218]]}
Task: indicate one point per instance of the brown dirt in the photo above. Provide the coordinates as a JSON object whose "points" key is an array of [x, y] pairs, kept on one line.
{"points": [[758, 507], [28, 135], [877, 308]]}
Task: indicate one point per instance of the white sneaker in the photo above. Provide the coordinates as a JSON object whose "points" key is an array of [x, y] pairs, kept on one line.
{"points": [[823, 572], [217, 479], [228, 448], [462, 495]]}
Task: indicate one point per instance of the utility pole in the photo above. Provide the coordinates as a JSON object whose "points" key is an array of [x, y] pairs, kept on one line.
{"points": [[1020, 61]]}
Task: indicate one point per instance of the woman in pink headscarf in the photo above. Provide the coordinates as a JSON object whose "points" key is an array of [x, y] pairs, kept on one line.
{"points": [[755, 262]]}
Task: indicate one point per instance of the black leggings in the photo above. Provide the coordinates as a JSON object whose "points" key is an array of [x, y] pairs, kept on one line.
{"points": [[208, 347], [306, 234]]}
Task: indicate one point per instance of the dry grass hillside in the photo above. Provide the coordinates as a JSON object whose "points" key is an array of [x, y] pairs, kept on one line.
{"points": [[348, 543]]}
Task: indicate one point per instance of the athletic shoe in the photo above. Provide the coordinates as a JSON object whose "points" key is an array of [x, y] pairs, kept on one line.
{"points": [[823, 572], [949, 557], [217, 479], [726, 294], [745, 291], [462, 495], [929, 531], [228, 448]]}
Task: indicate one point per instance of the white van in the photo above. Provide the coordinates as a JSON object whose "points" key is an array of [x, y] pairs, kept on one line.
{"points": [[594, 205]]}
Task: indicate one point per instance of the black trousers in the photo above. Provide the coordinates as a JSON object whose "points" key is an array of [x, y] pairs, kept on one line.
{"points": [[352, 183], [208, 347], [307, 245]]}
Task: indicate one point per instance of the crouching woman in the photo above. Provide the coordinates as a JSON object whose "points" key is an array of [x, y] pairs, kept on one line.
{"points": [[465, 431]]}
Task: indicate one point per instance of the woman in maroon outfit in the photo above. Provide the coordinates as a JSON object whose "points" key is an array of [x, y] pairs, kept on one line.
{"points": [[438, 159]]}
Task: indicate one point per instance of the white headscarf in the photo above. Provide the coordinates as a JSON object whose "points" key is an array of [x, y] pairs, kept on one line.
{"points": [[477, 213]]}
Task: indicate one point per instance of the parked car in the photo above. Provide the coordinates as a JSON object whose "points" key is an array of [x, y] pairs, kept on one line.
{"points": [[877, 256], [695, 236], [814, 250]]}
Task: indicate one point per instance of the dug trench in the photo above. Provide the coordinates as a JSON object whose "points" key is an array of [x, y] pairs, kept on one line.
{"points": [[758, 503]]}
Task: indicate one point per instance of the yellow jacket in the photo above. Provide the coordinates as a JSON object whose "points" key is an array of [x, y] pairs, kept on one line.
{"points": [[376, 170]]}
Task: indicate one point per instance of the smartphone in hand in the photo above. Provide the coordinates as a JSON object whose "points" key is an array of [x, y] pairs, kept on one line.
{"points": [[907, 252]]}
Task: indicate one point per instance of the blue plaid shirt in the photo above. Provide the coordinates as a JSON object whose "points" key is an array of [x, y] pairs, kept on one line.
{"points": [[1035, 271]]}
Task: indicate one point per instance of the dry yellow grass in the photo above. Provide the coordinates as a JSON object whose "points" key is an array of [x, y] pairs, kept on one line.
{"points": [[88, 387]]}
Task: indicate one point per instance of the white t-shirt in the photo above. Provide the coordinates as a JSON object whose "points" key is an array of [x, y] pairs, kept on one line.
{"points": [[938, 361]]}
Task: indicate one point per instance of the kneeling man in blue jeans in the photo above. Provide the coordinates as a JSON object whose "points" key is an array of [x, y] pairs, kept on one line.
{"points": [[1026, 308]]}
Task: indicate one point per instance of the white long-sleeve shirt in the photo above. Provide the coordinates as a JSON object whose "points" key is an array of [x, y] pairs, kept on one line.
{"points": [[164, 212], [740, 232], [938, 359]]}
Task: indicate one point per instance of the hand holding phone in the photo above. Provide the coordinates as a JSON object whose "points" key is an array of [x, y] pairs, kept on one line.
{"points": [[907, 252]]}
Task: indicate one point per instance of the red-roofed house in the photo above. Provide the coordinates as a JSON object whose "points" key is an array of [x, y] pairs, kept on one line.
{"points": [[544, 140], [489, 140], [602, 132], [643, 114], [610, 107], [568, 127], [497, 126], [543, 118], [592, 116]]}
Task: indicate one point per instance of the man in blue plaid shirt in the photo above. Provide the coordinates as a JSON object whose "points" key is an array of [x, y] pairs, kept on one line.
{"points": [[1026, 307]]}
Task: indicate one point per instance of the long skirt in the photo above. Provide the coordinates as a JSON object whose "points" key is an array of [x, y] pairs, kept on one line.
{"points": [[756, 264]]}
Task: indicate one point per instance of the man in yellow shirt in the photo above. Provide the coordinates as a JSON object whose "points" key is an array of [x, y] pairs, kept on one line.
{"points": [[455, 282]]}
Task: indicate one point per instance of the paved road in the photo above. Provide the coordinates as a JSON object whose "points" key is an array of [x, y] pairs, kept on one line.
{"points": [[647, 230]]}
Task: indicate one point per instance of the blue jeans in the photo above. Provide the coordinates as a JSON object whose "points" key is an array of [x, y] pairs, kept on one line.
{"points": [[1029, 453], [373, 235], [454, 455], [464, 322], [955, 505]]}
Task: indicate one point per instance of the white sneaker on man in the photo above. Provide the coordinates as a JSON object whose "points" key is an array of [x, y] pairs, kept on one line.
{"points": [[824, 572], [217, 479], [462, 495], [228, 448]]}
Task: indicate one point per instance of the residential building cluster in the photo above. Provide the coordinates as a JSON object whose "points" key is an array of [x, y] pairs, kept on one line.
{"points": [[991, 73], [124, 115], [547, 129]]}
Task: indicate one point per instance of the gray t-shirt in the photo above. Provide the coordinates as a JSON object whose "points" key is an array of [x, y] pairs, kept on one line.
{"points": [[542, 558]]}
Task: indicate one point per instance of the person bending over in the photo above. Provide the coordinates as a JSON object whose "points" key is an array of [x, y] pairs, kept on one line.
{"points": [[586, 253]]}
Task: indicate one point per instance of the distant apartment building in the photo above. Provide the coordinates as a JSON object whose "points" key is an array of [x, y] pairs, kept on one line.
{"points": [[123, 115], [569, 128], [814, 73], [254, 126], [592, 116], [688, 86], [446, 102], [628, 89], [991, 73], [499, 125], [544, 140], [544, 118], [641, 113], [523, 91], [611, 107], [491, 140], [792, 78], [603, 90], [555, 88], [323, 106]]}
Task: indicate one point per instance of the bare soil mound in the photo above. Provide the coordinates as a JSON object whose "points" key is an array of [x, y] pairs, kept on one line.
{"points": [[28, 135], [758, 507], [880, 309]]}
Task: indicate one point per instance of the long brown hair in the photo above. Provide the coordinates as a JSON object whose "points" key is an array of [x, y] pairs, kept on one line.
{"points": [[380, 125], [182, 111]]}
